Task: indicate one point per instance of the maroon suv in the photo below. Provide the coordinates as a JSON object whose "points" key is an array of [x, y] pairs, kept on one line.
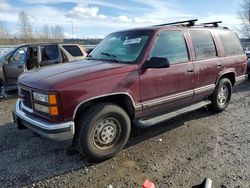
{"points": [[137, 77]]}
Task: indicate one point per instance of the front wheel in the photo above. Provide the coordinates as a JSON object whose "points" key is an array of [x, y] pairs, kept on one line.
{"points": [[102, 131], [221, 96]]}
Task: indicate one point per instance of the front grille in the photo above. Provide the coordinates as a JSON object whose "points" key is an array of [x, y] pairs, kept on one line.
{"points": [[25, 97]]}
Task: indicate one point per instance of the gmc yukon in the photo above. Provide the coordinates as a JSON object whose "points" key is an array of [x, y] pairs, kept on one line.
{"points": [[137, 77]]}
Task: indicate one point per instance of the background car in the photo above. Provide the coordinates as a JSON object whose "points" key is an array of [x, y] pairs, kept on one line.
{"points": [[25, 57]]}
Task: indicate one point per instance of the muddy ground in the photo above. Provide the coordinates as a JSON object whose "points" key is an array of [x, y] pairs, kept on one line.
{"points": [[178, 153]]}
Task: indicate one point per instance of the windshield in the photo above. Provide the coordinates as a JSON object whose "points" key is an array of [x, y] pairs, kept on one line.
{"points": [[124, 47]]}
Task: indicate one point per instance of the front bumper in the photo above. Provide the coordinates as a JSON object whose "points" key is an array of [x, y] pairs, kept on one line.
{"points": [[60, 132]]}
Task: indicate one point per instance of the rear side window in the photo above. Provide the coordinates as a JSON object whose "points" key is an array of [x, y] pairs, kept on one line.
{"points": [[231, 43], [50, 52], [203, 43], [172, 45], [73, 50]]}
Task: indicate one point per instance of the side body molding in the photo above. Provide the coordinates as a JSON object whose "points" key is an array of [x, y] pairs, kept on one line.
{"points": [[137, 107]]}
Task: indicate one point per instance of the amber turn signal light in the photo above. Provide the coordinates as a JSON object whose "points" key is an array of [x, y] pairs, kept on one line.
{"points": [[52, 99], [53, 111]]}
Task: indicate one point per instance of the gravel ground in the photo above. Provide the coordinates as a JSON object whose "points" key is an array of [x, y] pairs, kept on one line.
{"points": [[178, 153]]}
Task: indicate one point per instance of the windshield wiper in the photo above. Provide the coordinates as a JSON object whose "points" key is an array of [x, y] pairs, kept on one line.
{"points": [[113, 57]]}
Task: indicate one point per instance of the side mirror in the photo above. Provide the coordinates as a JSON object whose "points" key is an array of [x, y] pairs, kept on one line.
{"points": [[157, 62]]}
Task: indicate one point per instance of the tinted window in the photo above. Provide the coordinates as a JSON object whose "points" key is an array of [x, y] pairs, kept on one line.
{"points": [[203, 44], [170, 44], [50, 52], [73, 50], [231, 43]]}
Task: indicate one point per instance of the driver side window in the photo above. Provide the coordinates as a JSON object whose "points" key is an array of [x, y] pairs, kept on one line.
{"points": [[19, 56], [171, 45]]}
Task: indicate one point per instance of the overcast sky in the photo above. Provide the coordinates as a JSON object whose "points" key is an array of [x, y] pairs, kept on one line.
{"points": [[97, 18]]}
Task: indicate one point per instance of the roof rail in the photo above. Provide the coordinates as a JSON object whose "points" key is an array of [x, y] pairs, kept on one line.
{"points": [[188, 23], [214, 24]]}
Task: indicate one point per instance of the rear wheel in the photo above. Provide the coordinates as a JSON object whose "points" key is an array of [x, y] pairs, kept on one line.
{"points": [[102, 131], [221, 96]]}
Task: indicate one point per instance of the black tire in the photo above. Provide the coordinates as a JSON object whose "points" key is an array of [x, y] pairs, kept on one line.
{"points": [[94, 136], [248, 76], [218, 103]]}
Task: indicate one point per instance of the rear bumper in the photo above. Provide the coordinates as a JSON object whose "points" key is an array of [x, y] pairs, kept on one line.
{"points": [[61, 132]]}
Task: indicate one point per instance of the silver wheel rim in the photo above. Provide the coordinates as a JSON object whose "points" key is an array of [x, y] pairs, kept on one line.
{"points": [[223, 95], [106, 133]]}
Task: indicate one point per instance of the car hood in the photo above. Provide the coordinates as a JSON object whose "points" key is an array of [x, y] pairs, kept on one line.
{"points": [[49, 76]]}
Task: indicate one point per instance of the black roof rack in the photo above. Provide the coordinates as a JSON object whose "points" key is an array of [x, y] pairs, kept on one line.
{"points": [[188, 23], [214, 24]]}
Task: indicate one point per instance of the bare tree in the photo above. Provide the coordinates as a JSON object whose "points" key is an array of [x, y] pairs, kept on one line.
{"points": [[244, 15], [3, 30], [25, 26], [57, 32], [45, 32]]}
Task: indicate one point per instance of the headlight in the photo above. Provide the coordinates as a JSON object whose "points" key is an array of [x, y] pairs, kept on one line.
{"points": [[46, 98], [52, 110], [41, 108], [41, 97], [46, 103]]}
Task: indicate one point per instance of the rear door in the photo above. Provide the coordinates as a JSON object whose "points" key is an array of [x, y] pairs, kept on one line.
{"points": [[15, 65], [50, 54], [172, 87], [207, 63]]}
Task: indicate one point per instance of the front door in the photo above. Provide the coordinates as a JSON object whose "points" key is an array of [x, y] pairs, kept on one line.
{"points": [[172, 87], [15, 66]]}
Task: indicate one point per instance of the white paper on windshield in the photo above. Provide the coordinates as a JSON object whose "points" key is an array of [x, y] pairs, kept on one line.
{"points": [[132, 41]]}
